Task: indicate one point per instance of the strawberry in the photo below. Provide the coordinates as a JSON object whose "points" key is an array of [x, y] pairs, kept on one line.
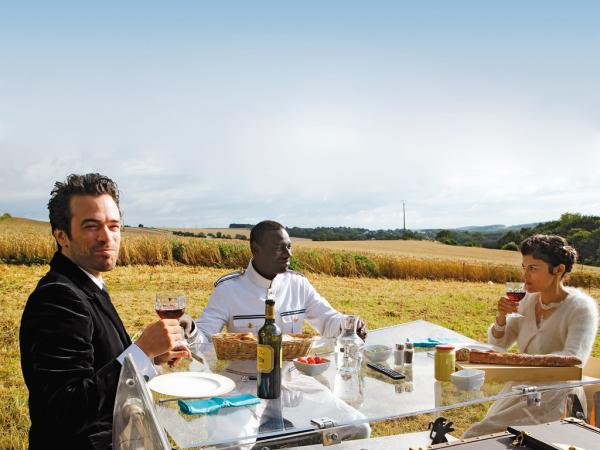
{"points": [[302, 360], [310, 360]]}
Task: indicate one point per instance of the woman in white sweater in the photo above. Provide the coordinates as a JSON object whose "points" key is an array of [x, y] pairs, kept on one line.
{"points": [[554, 319]]}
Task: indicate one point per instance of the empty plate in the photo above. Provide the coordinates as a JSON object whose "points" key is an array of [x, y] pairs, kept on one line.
{"points": [[191, 384]]}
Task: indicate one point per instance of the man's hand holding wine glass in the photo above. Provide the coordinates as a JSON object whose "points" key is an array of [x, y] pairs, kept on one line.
{"points": [[162, 340], [160, 337]]}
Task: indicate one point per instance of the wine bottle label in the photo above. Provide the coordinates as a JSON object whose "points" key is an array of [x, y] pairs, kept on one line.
{"points": [[265, 358]]}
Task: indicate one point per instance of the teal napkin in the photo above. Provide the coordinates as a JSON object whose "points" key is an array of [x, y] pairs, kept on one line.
{"points": [[215, 403], [429, 342]]}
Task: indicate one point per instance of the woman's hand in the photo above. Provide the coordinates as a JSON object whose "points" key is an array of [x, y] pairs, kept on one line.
{"points": [[505, 306]]}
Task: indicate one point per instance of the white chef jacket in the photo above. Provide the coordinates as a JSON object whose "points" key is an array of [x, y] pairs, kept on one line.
{"points": [[238, 301]]}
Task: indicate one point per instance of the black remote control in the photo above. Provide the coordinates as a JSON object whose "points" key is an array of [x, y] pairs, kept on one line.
{"points": [[386, 371]]}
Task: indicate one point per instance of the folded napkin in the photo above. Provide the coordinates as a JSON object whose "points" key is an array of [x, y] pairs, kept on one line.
{"points": [[428, 342], [215, 403]]}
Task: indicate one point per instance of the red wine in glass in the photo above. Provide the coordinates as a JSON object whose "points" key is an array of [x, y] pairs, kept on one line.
{"points": [[170, 312], [515, 293], [515, 296], [170, 306]]}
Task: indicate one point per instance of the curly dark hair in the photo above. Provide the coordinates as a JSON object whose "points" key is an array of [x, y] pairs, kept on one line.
{"points": [[60, 197], [552, 249]]}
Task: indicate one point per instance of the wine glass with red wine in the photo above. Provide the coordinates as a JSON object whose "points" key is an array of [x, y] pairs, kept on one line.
{"points": [[169, 305], [515, 291]]}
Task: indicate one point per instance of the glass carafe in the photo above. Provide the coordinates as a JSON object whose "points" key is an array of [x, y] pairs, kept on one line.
{"points": [[348, 346]]}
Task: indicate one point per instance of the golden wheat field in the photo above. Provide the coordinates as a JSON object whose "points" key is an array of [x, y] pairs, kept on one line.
{"points": [[467, 307], [400, 248], [26, 241], [385, 282]]}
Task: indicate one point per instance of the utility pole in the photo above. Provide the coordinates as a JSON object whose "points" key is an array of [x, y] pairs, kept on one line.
{"points": [[404, 215]]}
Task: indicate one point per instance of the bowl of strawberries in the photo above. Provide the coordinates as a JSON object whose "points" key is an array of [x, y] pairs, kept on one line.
{"points": [[311, 365]]}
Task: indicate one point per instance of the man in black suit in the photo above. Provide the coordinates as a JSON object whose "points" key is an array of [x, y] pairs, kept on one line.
{"points": [[72, 339]]}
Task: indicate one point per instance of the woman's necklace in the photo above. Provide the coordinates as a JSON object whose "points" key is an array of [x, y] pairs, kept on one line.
{"points": [[549, 306]]}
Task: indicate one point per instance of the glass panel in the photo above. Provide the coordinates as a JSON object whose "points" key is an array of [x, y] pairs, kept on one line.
{"points": [[135, 425], [351, 401], [547, 406]]}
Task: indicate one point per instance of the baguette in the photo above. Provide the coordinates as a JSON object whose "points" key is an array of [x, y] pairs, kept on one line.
{"points": [[523, 359]]}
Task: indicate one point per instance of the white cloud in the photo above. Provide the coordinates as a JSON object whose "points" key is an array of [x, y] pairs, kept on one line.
{"points": [[314, 130]]}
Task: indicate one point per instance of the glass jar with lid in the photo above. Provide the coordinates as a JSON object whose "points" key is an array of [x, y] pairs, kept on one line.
{"points": [[445, 361]]}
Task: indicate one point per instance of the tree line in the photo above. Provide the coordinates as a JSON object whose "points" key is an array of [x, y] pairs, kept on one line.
{"points": [[582, 231], [218, 235], [344, 233], [352, 234]]}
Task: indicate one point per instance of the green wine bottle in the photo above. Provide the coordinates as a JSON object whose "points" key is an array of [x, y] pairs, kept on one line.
{"points": [[269, 353]]}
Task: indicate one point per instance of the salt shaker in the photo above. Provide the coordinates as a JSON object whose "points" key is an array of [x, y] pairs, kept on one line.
{"points": [[399, 355]]}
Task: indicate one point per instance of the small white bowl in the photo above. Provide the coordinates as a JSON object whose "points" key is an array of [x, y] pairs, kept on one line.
{"points": [[312, 369], [468, 379], [377, 353]]}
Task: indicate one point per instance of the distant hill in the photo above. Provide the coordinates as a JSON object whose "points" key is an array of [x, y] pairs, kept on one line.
{"points": [[496, 228], [23, 222]]}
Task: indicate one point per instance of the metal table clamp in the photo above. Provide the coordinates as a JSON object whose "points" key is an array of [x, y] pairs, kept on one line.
{"points": [[329, 437], [534, 398]]}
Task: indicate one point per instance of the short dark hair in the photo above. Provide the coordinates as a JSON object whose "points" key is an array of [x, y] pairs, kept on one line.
{"points": [[60, 197], [258, 231], [552, 249]]}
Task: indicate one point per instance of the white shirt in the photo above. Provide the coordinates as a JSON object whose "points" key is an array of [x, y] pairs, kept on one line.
{"points": [[142, 362], [98, 280], [238, 302], [570, 330]]}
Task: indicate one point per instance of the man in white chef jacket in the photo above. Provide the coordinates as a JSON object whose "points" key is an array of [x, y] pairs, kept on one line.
{"points": [[238, 300]]}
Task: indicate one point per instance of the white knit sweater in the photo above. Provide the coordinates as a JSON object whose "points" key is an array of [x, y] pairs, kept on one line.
{"points": [[570, 330]]}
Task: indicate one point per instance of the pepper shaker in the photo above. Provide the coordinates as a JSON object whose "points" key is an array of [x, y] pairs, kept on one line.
{"points": [[408, 353]]}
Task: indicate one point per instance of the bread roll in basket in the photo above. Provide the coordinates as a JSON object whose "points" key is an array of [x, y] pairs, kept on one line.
{"points": [[243, 345]]}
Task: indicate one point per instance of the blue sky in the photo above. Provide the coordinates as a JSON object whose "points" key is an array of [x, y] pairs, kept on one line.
{"points": [[313, 113]]}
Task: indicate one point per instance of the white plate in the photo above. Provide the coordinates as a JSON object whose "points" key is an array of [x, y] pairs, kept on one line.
{"points": [[191, 384]]}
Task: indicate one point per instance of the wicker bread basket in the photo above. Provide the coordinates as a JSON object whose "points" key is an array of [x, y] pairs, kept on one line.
{"points": [[243, 345]]}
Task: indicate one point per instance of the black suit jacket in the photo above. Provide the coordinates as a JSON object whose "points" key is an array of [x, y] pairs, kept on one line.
{"points": [[70, 336]]}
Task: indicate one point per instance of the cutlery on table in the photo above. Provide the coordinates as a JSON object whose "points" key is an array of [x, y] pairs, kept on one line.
{"points": [[246, 376], [198, 358]]}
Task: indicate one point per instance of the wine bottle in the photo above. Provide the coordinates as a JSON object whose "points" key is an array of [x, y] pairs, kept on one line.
{"points": [[269, 353]]}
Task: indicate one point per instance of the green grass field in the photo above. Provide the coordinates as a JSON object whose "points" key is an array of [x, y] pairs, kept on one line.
{"points": [[465, 307]]}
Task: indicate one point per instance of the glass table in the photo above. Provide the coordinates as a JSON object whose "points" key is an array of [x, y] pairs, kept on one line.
{"points": [[332, 407]]}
